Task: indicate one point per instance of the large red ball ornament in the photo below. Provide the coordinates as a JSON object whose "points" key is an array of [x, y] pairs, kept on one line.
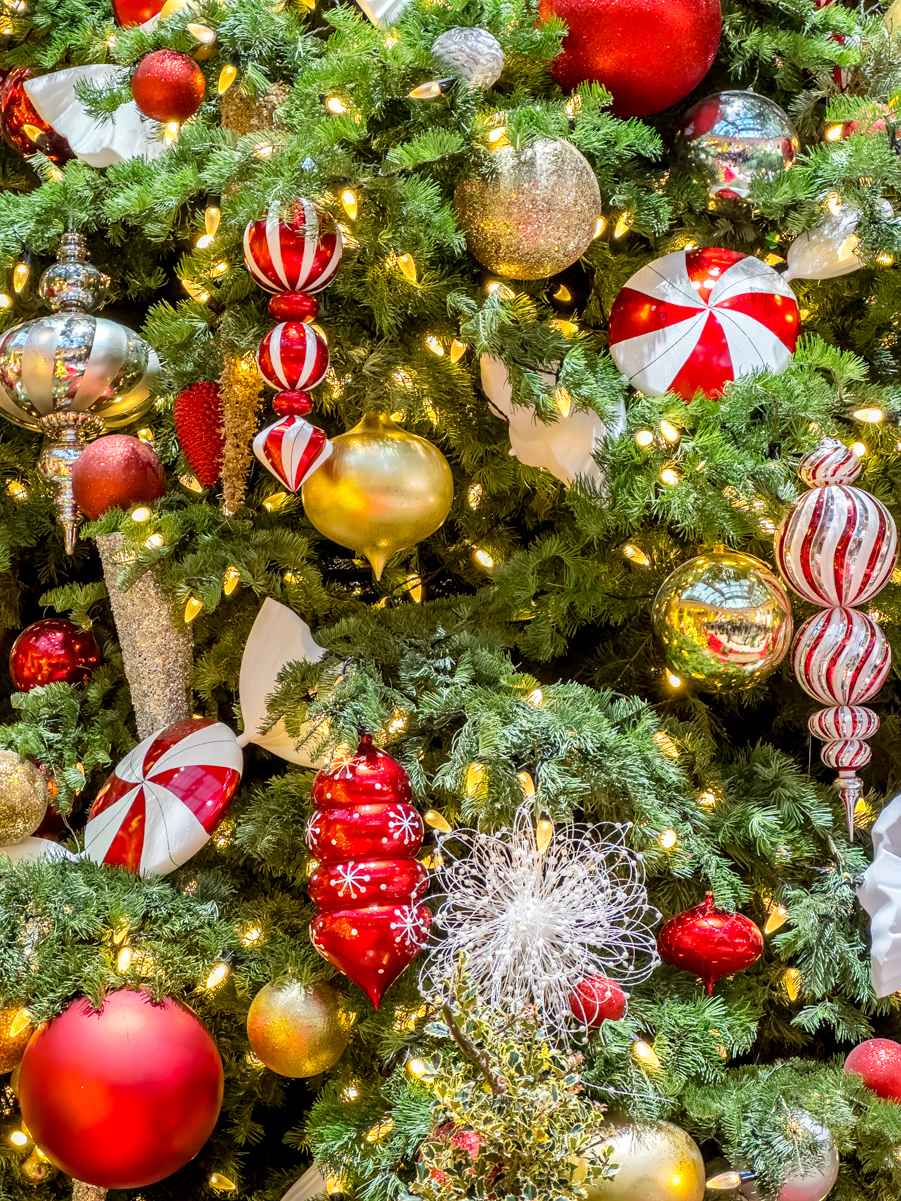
{"points": [[710, 942], [878, 1063], [596, 1000], [123, 1096], [168, 86], [648, 53], [22, 126], [52, 651], [116, 472], [298, 253]]}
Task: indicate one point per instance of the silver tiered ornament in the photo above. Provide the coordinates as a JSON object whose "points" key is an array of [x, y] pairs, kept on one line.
{"points": [[71, 375]]}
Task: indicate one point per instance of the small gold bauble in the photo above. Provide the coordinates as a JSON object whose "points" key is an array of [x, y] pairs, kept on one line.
{"points": [[15, 1031], [297, 1030], [535, 214], [656, 1162], [381, 491], [724, 620], [24, 796]]}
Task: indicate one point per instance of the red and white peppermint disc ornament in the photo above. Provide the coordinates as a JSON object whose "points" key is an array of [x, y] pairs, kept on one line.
{"points": [[292, 449], [298, 254], [694, 320], [165, 798], [841, 657], [842, 722], [293, 356]]}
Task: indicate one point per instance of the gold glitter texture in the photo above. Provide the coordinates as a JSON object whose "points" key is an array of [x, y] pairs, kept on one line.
{"points": [[87, 1192], [14, 1036], [242, 400], [252, 114], [24, 796], [298, 1031]]}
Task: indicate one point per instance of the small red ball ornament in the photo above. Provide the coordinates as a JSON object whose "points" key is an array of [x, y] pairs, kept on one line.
{"points": [[168, 86], [116, 472], [710, 942], [52, 651], [136, 12], [197, 414], [597, 999], [122, 1096], [878, 1063], [648, 53]]}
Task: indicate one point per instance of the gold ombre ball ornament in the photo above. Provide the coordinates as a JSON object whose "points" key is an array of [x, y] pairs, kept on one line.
{"points": [[298, 1030], [15, 1031], [724, 620], [534, 213], [381, 491], [24, 796], [657, 1162]]}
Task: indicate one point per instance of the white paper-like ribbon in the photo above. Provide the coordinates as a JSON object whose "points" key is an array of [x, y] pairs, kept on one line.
{"points": [[880, 896], [310, 1184], [383, 12]]}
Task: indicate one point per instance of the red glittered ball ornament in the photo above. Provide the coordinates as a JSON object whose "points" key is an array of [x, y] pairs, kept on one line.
{"points": [[710, 942], [116, 472], [878, 1063], [597, 999], [122, 1096], [197, 414], [648, 53], [168, 86], [52, 651]]}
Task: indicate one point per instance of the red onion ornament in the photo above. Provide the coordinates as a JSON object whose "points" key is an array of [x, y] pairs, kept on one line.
{"points": [[710, 942]]}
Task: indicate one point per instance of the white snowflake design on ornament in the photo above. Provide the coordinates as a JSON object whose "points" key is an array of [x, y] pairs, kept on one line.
{"points": [[405, 824], [313, 828], [529, 924], [352, 879], [410, 931]]}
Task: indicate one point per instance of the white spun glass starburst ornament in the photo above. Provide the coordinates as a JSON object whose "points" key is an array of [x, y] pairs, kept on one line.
{"points": [[531, 913]]}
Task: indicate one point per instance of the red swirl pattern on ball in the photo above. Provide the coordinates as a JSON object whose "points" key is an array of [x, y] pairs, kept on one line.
{"points": [[293, 356], [843, 721], [300, 253], [841, 657], [831, 462]]}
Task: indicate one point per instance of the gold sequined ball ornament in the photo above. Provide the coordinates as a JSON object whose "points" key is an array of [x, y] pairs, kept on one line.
{"points": [[724, 620], [297, 1030], [381, 491], [24, 796], [15, 1031], [657, 1162], [534, 213]]}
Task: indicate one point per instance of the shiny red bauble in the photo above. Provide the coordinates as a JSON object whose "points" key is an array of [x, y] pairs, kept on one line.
{"points": [[22, 126], [295, 251], [293, 356], [648, 53], [597, 999], [168, 86], [197, 414], [136, 12], [710, 942], [52, 651], [122, 1096], [116, 472], [878, 1063]]}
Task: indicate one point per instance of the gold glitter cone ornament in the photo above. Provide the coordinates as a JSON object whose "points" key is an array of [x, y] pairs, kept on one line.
{"points": [[15, 1031], [382, 491], [535, 214], [24, 796], [657, 1162], [297, 1030]]}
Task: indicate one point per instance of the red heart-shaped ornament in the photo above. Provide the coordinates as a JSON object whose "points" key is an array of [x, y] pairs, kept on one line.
{"points": [[372, 946]]}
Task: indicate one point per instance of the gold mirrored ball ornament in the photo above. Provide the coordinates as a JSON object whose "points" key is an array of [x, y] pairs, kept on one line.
{"points": [[24, 796], [298, 1030], [15, 1031], [724, 620], [657, 1161]]}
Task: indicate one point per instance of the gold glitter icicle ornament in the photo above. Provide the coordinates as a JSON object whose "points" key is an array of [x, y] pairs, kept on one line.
{"points": [[24, 796], [242, 400], [382, 491], [724, 620], [298, 1031], [15, 1031], [534, 214], [657, 1162]]}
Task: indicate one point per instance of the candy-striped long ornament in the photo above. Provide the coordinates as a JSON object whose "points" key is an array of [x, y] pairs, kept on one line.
{"points": [[837, 547]]}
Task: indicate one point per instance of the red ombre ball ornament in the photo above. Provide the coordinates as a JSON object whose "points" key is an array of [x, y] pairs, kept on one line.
{"points": [[878, 1063], [168, 86], [116, 472], [597, 999], [52, 651], [123, 1096], [710, 942]]}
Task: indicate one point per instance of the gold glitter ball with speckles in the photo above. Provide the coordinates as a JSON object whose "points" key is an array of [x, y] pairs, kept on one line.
{"points": [[297, 1030], [657, 1162], [535, 215], [24, 796]]}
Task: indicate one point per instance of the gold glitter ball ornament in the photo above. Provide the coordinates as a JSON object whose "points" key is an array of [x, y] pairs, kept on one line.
{"points": [[15, 1031], [657, 1162], [724, 620], [535, 214], [297, 1030], [24, 796], [381, 491]]}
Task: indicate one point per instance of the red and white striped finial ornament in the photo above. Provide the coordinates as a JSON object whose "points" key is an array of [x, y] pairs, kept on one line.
{"points": [[837, 547]]}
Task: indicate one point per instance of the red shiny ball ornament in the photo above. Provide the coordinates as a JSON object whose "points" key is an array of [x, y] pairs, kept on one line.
{"points": [[878, 1063], [299, 252], [597, 999], [22, 126], [52, 651], [293, 306], [197, 414], [648, 53], [710, 942], [122, 1096], [168, 86], [116, 472], [293, 356], [136, 12]]}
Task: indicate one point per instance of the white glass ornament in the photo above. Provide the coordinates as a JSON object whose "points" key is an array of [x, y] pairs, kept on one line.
{"points": [[812, 1181], [880, 896], [33, 850], [828, 250]]}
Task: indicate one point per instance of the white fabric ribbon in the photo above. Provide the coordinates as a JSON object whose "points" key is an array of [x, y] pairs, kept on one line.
{"points": [[880, 896]]}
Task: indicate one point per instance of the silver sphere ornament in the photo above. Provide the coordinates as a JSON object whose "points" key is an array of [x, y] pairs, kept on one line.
{"points": [[472, 54], [724, 620], [734, 139], [813, 1176], [657, 1161], [534, 214]]}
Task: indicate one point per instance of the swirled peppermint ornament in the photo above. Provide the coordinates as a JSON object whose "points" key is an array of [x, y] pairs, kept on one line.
{"points": [[841, 657], [300, 252]]}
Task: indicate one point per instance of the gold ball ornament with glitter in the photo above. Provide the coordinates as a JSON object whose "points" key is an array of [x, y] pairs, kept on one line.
{"points": [[381, 491], [15, 1031], [724, 620], [657, 1162], [534, 214], [24, 796], [298, 1030]]}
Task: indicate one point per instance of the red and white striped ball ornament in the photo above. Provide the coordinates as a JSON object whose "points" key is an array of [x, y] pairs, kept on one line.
{"points": [[841, 657], [293, 356], [298, 253], [695, 320], [292, 449]]}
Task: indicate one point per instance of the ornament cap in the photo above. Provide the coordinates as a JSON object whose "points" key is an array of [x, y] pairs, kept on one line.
{"points": [[73, 283]]}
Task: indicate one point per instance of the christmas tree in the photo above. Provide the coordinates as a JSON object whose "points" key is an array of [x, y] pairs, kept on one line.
{"points": [[404, 405]]}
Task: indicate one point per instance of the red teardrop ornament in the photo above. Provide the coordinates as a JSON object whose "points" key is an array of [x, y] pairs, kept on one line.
{"points": [[710, 942]]}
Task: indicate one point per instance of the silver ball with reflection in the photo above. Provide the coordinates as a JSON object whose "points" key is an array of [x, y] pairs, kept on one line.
{"points": [[472, 54]]}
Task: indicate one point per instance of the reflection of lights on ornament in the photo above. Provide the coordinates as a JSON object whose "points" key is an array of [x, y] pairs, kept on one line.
{"points": [[475, 780], [482, 558], [221, 1183], [544, 833], [870, 415], [193, 609], [155, 542], [645, 1055], [674, 681], [706, 799], [430, 90], [623, 225], [227, 76], [19, 1138], [833, 132], [668, 839], [406, 265], [335, 105], [16, 490], [778, 916], [434, 345], [669, 476], [218, 972], [437, 821], [231, 578], [275, 501], [859, 449], [21, 275], [791, 982], [526, 785], [350, 203], [600, 226], [457, 350], [535, 698], [251, 935], [380, 1131], [636, 555], [670, 432], [644, 438], [141, 514]]}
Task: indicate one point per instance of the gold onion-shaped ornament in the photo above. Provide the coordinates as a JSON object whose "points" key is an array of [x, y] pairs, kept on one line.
{"points": [[381, 491]]}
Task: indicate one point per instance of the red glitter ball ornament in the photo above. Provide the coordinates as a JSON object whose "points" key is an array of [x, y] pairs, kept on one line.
{"points": [[597, 999], [168, 86], [22, 126], [710, 942], [878, 1063], [199, 428], [52, 651], [649, 53], [116, 472]]}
